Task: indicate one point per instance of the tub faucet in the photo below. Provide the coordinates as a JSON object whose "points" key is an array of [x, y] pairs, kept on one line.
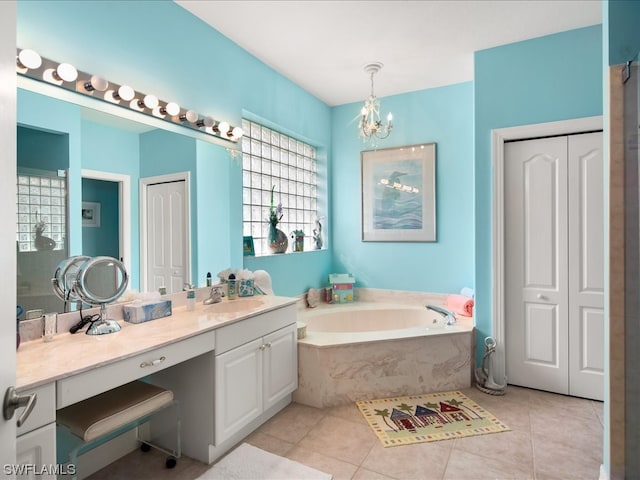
{"points": [[215, 296], [449, 316]]}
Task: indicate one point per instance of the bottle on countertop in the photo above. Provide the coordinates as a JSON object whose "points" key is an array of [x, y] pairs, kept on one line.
{"points": [[209, 281], [191, 299], [232, 289]]}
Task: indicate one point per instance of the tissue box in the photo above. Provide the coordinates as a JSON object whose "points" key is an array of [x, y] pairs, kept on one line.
{"points": [[341, 286], [147, 311]]}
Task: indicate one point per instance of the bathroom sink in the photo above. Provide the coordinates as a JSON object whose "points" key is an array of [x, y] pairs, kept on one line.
{"points": [[233, 306]]}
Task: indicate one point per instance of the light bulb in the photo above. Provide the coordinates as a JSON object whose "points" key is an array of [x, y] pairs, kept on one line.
{"points": [[125, 92], [389, 117], [66, 72], [206, 122], [96, 83], [236, 133], [223, 128], [363, 111], [149, 101], [29, 60], [189, 116], [170, 108]]}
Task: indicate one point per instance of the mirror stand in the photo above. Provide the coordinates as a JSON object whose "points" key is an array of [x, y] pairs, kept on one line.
{"points": [[103, 325]]}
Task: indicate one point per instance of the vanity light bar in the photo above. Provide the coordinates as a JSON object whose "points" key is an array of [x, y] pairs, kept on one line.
{"points": [[30, 64]]}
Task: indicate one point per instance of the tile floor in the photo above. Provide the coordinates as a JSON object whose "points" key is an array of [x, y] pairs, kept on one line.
{"points": [[552, 437]]}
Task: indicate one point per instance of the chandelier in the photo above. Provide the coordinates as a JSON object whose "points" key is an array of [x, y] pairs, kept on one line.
{"points": [[370, 125]]}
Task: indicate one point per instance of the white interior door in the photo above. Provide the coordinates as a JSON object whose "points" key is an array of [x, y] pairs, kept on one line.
{"points": [[586, 266], [8, 220], [554, 264], [167, 236], [536, 264]]}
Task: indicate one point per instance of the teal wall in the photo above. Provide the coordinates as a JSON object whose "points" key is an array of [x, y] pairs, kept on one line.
{"points": [[551, 78], [442, 115], [42, 150], [168, 62], [623, 38], [105, 239]]}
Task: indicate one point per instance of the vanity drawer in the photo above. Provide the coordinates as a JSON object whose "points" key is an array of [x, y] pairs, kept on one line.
{"points": [[84, 385], [248, 330], [43, 412]]}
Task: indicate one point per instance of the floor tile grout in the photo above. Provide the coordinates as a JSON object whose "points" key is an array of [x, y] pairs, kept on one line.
{"points": [[332, 426]]}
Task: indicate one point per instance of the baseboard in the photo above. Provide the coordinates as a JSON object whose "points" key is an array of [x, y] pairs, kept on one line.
{"points": [[109, 452]]}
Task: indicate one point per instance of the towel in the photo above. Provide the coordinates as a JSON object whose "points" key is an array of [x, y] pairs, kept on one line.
{"points": [[460, 304]]}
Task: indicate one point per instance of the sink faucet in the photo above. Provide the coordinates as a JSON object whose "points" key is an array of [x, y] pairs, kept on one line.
{"points": [[215, 296], [186, 286], [450, 317]]}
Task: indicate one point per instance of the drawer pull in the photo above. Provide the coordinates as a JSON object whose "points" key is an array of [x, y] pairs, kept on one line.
{"points": [[265, 345], [153, 363]]}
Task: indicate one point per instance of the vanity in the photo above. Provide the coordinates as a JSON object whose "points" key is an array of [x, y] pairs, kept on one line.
{"points": [[231, 365]]}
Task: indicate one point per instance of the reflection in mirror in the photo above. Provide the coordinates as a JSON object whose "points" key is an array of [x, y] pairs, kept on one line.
{"points": [[93, 144], [101, 280], [41, 233]]}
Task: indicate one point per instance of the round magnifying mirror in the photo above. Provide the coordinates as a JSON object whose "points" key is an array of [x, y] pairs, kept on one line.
{"points": [[64, 279], [99, 281]]}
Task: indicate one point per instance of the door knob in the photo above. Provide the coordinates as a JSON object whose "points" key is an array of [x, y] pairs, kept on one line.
{"points": [[13, 401]]}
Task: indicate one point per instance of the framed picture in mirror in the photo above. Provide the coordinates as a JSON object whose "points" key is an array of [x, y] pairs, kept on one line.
{"points": [[90, 214]]}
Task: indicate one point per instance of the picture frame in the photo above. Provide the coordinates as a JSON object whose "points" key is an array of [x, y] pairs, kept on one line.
{"points": [[399, 194], [247, 246], [90, 214]]}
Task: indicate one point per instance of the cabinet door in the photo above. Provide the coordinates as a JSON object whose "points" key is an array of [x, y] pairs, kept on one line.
{"points": [[280, 364], [35, 449], [238, 392]]}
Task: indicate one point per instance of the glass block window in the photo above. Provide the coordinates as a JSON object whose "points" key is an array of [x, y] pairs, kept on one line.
{"points": [[41, 213], [270, 158]]}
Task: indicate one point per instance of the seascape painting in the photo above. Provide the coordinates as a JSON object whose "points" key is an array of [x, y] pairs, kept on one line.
{"points": [[396, 197], [399, 194]]}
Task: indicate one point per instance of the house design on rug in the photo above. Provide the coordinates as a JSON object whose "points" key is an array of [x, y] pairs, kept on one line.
{"points": [[424, 416]]}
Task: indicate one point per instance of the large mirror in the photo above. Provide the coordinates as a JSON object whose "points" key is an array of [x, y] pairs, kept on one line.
{"points": [[119, 188]]}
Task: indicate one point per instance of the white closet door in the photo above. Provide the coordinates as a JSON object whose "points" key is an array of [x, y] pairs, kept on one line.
{"points": [[536, 264], [586, 266], [167, 236]]}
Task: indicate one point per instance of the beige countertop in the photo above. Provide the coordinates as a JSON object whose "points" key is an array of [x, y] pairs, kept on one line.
{"points": [[40, 362]]}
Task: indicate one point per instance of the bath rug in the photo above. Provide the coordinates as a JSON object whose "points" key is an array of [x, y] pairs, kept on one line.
{"points": [[427, 418], [247, 462]]}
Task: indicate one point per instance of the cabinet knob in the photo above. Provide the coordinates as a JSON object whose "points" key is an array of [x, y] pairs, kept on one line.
{"points": [[541, 297]]}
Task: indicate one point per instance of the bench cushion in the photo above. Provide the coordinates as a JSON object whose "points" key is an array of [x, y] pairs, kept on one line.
{"points": [[108, 411]]}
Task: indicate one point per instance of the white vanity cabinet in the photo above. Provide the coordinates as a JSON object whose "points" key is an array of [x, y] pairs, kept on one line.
{"points": [[36, 442], [253, 377]]}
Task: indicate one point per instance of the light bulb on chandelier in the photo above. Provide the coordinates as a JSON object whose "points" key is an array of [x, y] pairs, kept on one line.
{"points": [[370, 124]]}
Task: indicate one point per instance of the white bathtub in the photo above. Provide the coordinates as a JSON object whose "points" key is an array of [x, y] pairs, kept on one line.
{"points": [[362, 351], [369, 322]]}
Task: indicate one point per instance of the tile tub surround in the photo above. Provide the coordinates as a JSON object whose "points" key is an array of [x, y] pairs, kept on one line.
{"points": [[336, 374]]}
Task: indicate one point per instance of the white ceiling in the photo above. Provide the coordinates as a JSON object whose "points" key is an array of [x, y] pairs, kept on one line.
{"points": [[323, 45]]}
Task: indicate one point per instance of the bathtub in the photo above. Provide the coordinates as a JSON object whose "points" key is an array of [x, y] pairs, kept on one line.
{"points": [[368, 350]]}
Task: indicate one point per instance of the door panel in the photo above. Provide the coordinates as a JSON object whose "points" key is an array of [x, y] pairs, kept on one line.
{"points": [[535, 263], [167, 235], [586, 266]]}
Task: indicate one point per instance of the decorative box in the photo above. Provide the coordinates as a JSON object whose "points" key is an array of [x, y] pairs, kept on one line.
{"points": [[245, 288], [341, 286], [143, 312]]}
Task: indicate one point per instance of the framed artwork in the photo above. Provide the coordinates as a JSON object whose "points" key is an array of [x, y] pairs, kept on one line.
{"points": [[90, 214], [247, 246], [399, 194]]}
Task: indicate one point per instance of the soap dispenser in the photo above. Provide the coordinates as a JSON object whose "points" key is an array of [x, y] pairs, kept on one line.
{"points": [[232, 290]]}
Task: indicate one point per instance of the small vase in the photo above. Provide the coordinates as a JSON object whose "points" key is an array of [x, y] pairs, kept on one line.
{"points": [[278, 241]]}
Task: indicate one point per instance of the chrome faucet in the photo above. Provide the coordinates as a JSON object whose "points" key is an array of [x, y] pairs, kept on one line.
{"points": [[215, 296], [449, 316]]}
